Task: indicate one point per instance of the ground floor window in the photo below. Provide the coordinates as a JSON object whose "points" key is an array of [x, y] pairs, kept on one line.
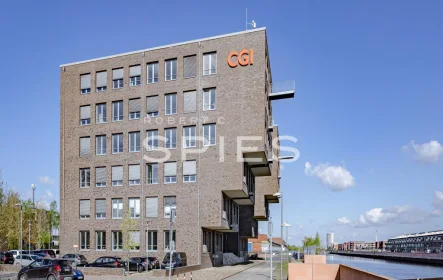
{"points": [[218, 244], [151, 240], [117, 240], [84, 240], [207, 240], [100, 240], [166, 240]]}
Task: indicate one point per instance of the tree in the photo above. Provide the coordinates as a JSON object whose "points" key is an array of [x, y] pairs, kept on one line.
{"points": [[129, 227]]}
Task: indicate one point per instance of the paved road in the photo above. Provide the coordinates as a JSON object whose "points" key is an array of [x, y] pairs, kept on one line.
{"points": [[259, 272]]}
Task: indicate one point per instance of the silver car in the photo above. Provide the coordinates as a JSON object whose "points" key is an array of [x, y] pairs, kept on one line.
{"points": [[78, 260], [25, 260]]}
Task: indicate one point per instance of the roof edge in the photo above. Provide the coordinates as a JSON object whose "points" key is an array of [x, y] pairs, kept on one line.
{"points": [[166, 46]]}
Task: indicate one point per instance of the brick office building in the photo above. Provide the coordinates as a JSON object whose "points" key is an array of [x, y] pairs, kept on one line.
{"points": [[121, 114]]}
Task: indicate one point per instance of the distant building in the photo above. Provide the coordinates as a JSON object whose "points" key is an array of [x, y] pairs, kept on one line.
{"points": [[261, 244], [427, 242], [329, 240]]}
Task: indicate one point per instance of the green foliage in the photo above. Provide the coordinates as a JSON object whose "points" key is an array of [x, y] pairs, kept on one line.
{"points": [[36, 221]]}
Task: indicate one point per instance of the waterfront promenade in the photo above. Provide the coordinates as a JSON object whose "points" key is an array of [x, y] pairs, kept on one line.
{"points": [[423, 258]]}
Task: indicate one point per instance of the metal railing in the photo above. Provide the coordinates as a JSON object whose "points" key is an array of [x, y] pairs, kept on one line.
{"points": [[283, 86]]}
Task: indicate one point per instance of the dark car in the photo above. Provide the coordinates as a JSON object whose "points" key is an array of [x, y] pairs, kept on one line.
{"points": [[45, 253], [155, 264], [178, 259], [6, 258], [78, 275], [138, 264], [107, 262], [50, 269]]}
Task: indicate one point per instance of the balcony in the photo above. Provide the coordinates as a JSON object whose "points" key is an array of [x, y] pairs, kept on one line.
{"points": [[282, 90]]}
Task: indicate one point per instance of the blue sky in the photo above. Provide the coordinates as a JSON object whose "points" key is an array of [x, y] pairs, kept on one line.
{"points": [[368, 81]]}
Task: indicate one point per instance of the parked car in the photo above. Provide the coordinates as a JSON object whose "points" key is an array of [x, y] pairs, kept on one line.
{"points": [[48, 253], [78, 260], [78, 275], [178, 259], [155, 264], [25, 260], [6, 258], [15, 253], [107, 262], [50, 269], [40, 254], [138, 264]]}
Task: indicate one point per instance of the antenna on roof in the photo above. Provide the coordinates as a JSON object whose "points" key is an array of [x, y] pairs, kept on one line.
{"points": [[252, 23]]}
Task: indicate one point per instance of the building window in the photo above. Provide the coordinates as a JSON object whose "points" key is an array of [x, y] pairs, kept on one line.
{"points": [[117, 78], [209, 63], [134, 109], [134, 174], [188, 136], [100, 176], [152, 139], [134, 75], [134, 141], [85, 209], [189, 66], [189, 171], [101, 113], [85, 146], [169, 203], [117, 208], [189, 101], [100, 240], [100, 208], [85, 177], [171, 138], [85, 115], [117, 241], [152, 72], [151, 240], [152, 173], [209, 134], [117, 111], [84, 240], [85, 83], [170, 172], [135, 240], [171, 69], [117, 143], [151, 207], [134, 207], [100, 143], [101, 81], [166, 239], [209, 99], [117, 175], [170, 104], [152, 106]]}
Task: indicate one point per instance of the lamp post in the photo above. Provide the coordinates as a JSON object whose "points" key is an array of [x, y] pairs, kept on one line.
{"points": [[29, 235], [270, 236], [21, 231], [171, 242], [280, 196], [33, 186], [286, 225]]}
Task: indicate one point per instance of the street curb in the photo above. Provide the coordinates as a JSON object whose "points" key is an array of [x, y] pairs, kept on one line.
{"points": [[238, 272]]}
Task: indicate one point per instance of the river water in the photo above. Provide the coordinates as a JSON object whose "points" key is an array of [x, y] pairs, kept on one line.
{"points": [[391, 269]]}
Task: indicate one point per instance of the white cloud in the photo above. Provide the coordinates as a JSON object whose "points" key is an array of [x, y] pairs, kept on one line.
{"points": [[425, 153], [46, 180], [298, 225], [405, 214], [343, 221], [337, 178], [438, 200]]}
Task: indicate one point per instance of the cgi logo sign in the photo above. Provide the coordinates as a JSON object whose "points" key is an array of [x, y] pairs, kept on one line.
{"points": [[244, 57]]}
